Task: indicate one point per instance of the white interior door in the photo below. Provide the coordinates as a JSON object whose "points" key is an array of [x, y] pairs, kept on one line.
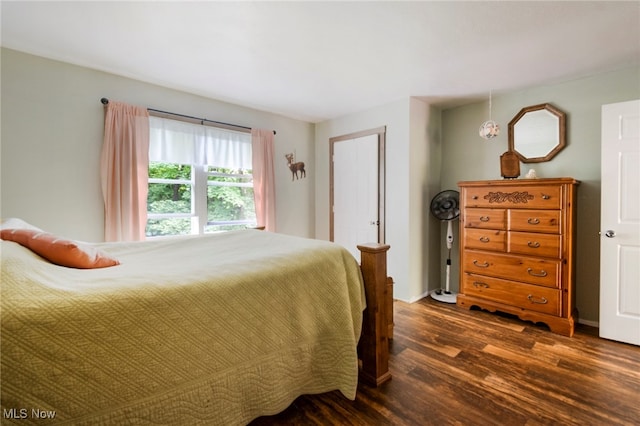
{"points": [[355, 192], [620, 223]]}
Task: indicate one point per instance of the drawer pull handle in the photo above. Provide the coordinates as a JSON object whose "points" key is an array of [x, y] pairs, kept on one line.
{"points": [[533, 221], [477, 284], [542, 273], [484, 218], [545, 196], [533, 244], [484, 239], [540, 301], [475, 197], [481, 265]]}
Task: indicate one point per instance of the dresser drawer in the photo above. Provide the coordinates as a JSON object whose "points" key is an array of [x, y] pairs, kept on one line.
{"points": [[514, 196], [534, 244], [485, 239], [547, 221], [544, 272], [526, 296], [485, 218]]}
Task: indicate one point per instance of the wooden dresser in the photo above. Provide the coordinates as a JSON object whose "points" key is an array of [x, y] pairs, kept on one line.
{"points": [[517, 249]]}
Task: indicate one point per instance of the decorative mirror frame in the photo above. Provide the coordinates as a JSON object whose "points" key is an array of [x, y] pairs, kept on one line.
{"points": [[561, 132]]}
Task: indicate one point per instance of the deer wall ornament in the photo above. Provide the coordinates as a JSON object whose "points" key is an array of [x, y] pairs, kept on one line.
{"points": [[295, 167]]}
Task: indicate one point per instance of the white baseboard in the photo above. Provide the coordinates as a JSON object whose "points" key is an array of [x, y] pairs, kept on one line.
{"points": [[589, 323], [422, 296]]}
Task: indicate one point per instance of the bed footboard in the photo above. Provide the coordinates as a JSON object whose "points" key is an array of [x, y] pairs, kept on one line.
{"points": [[373, 348]]}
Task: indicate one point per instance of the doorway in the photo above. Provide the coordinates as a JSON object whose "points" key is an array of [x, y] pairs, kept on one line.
{"points": [[356, 188]]}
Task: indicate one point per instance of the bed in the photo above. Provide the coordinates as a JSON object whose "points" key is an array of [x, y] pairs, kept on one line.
{"points": [[218, 329]]}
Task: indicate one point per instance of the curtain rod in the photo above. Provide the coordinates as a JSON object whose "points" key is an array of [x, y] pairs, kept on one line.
{"points": [[105, 101]]}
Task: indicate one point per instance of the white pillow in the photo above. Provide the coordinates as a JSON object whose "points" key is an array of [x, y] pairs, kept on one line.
{"points": [[15, 223]]}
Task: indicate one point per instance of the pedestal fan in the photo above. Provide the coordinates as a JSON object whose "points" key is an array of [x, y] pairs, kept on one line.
{"points": [[445, 206]]}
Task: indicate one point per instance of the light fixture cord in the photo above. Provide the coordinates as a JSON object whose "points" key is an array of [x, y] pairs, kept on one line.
{"points": [[490, 119]]}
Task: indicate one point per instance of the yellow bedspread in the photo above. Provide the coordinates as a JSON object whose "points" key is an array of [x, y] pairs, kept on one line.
{"points": [[198, 330]]}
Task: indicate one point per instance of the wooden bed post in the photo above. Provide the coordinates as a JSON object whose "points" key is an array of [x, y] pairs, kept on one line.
{"points": [[373, 347]]}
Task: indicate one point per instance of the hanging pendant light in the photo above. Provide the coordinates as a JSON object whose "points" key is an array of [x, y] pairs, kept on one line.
{"points": [[489, 129]]}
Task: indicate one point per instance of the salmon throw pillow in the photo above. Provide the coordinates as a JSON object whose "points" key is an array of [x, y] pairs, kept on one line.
{"points": [[56, 250]]}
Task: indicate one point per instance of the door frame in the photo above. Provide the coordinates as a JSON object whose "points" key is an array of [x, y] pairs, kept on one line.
{"points": [[381, 132]]}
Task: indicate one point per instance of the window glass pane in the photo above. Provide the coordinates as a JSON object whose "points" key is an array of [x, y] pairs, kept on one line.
{"points": [[230, 203], [169, 171], [169, 198], [170, 226]]}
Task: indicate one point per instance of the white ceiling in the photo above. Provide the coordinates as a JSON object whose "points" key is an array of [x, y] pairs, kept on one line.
{"points": [[319, 60]]}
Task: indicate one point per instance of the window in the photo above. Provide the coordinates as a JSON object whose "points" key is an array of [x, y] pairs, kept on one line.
{"points": [[199, 179]]}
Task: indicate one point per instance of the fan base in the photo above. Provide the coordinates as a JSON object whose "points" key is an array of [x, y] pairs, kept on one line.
{"points": [[444, 296]]}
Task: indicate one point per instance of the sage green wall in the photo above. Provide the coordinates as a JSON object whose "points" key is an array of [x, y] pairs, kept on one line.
{"points": [[465, 156], [52, 130]]}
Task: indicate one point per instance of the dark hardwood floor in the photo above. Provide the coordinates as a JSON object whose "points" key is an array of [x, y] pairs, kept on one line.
{"points": [[451, 366]]}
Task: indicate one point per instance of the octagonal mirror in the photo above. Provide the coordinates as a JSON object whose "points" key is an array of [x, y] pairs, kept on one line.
{"points": [[537, 133]]}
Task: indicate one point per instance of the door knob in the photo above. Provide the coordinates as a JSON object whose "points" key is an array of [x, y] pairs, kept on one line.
{"points": [[610, 233]]}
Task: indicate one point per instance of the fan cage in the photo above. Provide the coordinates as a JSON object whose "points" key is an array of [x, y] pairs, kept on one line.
{"points": [[446, 205]]}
